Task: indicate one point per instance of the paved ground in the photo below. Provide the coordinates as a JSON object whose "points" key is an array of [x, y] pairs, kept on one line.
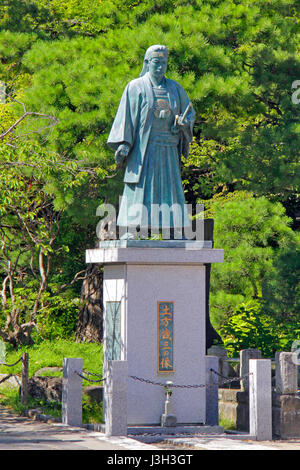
{"points": [[228, 443], [219, 442], [19, 433]]}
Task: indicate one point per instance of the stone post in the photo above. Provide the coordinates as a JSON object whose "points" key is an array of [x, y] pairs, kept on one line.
{"points": [[260, 399], [222, 355], [286, 373], [72, 392], [245, 356], [212, 389], [24, 385], [115, 397]]}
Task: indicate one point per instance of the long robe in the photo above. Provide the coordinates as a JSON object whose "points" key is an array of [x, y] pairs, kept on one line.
{"points": [[133, 124]]}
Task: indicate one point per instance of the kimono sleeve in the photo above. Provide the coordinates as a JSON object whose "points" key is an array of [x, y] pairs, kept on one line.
{"points": [[126, 120], [187, 133]]}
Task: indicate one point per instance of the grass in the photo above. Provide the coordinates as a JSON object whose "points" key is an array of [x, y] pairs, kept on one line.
{"points": [[51, 354], [227, 424], [10, 398]]}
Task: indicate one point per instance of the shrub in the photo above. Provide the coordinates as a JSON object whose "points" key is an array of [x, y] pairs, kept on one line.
{"points": [[247, 328]]}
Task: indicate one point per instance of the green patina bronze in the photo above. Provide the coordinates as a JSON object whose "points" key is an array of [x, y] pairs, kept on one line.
{"points": [[153, 127]]}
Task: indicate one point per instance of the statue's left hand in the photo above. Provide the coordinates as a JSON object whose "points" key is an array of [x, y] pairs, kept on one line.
{"points": [[121, 154], [179, 124], [182, 122]]}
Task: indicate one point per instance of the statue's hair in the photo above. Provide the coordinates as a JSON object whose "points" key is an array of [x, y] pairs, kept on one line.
{"points": [[148, 56]]}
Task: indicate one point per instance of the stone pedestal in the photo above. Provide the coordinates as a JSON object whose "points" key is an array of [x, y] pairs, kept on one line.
{"points": [[154, 318]]}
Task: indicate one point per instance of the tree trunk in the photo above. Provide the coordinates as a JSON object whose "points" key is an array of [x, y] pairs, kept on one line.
{"points": [[89, 326]]}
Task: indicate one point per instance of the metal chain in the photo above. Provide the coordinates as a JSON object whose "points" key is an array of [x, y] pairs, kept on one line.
{"points": [[93, 373], [170, 385], [164, 384], [11, 365], [6, 378], [89, 380], [234, 379]]}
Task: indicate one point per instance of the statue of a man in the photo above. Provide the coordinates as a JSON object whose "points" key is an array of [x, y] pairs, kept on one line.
{"points": [[152, 129]]}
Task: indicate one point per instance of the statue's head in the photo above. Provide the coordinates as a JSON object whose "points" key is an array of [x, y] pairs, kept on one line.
{"points": [[155, 60]]}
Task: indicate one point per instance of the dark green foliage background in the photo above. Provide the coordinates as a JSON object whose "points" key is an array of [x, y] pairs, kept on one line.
{"points": [[236, 59]]}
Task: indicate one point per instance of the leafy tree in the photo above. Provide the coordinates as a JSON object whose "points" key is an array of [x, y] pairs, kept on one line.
{"points": [[237, 63], [281, 290], [251, 231], [28, 230], [29, 227], [237, 60], [248, 328]]}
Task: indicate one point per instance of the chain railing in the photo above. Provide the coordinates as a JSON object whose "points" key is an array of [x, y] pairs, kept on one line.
{"points": [[24, 380], [231, 379], [102, 379], [172, 385], [163, 384], [11, 365], [8, 376]]}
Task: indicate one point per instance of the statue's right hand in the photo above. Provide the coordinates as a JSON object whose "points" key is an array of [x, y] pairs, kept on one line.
{"points": [[121, 153]]}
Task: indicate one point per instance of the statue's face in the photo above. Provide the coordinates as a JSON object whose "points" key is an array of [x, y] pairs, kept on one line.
{"points": [[158, 67]]}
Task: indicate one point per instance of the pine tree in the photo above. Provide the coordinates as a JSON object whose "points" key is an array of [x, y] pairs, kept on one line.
{"points": [[71, 60]]}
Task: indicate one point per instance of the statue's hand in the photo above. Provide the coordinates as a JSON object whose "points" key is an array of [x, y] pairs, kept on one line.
{"points": [[179, 123], [121, 154], [182, 122]]}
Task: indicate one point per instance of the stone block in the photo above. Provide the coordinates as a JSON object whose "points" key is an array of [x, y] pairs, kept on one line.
{"points": [[234, 407], [222, 355], [286, 373], [48, 371], [286, 416], [245, 356]]}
